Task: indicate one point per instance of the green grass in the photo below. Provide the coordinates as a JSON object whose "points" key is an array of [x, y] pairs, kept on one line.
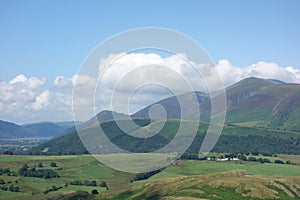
{"points": [[293, 122], [70, 168], [86, 167], [192, 167], [246, 115]]}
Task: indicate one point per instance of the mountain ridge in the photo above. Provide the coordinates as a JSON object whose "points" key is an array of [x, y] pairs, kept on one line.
{"points": [[10, 130]]}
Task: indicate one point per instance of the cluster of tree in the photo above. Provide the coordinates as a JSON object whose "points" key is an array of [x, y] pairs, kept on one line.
{"points": [[84, 182], [240, 156], [3, 187], [54, 188], [2, 182], [146, 175], [278, 162], [13, 188], [261, 160], [192, 156], [4, 171], [7, 172], [52, 164], [8, 152], [38, 173]]}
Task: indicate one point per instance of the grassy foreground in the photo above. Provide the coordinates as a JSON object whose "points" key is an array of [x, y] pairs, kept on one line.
{"points": [[184, 179], [70, 168]]}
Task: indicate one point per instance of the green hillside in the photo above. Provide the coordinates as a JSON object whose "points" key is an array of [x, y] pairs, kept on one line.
{"points": [[233, 139], [183, 179], [236, 184]]}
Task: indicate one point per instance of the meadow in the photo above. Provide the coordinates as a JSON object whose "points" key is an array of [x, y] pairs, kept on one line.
{"points": [[120, 185]]}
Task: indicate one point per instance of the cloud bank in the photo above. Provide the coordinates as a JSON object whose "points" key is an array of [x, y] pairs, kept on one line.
{"points": [[31, 99]]}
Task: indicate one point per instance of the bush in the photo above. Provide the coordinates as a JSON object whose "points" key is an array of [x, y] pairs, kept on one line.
{"points": [[40, 164], [13, 188], [252, 159], [4, 188], [278, 162], [53, 164], [103, 184], [263, 160], [146, 175], [95, 192], [84, 182], [40, 173], [242, 157], [2, 181]]}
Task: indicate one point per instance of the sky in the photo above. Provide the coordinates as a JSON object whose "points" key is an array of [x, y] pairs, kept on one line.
{"points": [[44, 43]]}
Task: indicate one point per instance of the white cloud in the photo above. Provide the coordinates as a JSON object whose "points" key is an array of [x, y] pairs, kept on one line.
{"points": [[27, 99], [266, 70], [41, 101], [18, 79]]}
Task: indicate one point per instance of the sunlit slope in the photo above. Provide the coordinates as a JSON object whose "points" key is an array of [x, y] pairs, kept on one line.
{"points": [[232, 139]]}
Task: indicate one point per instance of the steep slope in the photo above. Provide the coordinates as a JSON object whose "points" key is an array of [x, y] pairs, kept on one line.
{"points": [[265, 103], [172, 105], [258, 102]]}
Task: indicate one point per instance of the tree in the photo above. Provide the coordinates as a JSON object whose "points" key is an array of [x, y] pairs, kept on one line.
{"points": [[8, 152], [242, 157], [93, 183], [103, 184], [278, 162], [95, 191], [23, 170], [2, 181], [252, 159], [53, 164], [40, 164], [13, 188]]}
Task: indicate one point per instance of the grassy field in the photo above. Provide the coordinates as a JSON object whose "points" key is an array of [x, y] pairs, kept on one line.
{"points": [[191, 167], [234, 184], [70, 168], [86, 167]]}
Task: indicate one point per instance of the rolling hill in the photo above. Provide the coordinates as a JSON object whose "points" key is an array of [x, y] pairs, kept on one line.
{"points": [[235, 184], [265, 112], [10, 130], [232, 139]]}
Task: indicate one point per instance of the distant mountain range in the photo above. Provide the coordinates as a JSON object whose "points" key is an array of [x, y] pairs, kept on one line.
{"points": [[10, 130], [265, 112]]}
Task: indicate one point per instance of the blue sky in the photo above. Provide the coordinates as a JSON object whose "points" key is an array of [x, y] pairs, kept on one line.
{"points": [[49, 40]]}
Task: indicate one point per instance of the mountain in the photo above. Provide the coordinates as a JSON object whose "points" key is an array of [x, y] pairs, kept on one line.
{"points": [[10, 130], [172, 105], [264, 103], [232, 139], [251, 102], [265, 112]]}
